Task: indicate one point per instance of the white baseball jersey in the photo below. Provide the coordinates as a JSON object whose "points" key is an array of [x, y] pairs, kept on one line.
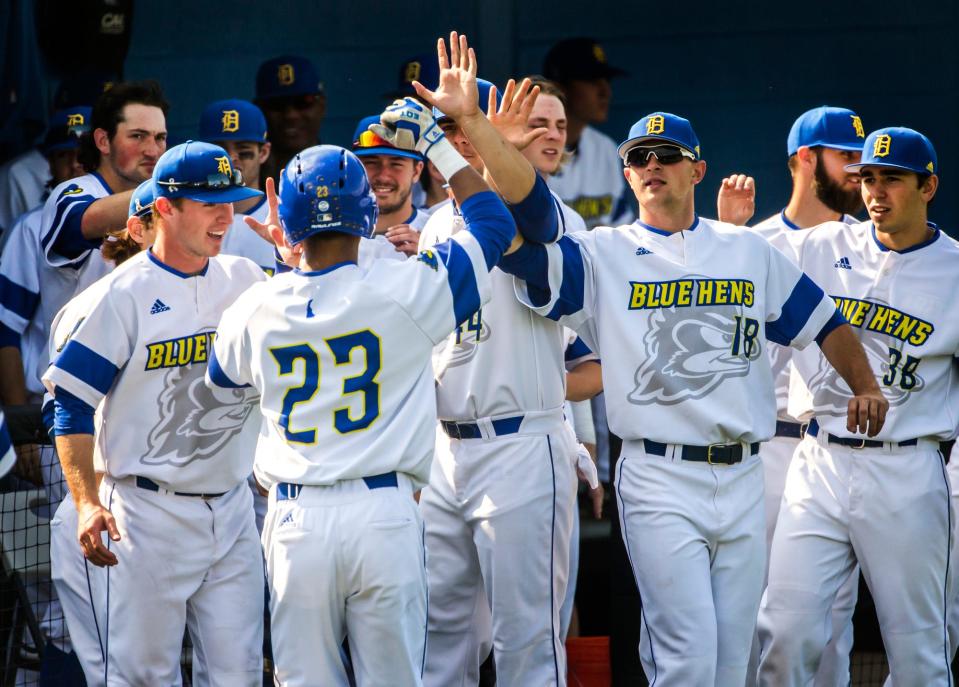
{"points": [[243, 242], [7, 456], [907, 322], [340, 358], [776, 230], [142, 349], [20, 297], [380, 248], [681, 318], [23, 181], [504, 360], [592, 182]]}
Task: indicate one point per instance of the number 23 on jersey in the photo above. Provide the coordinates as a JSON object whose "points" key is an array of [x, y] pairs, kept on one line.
{"points": [[303, 361]]}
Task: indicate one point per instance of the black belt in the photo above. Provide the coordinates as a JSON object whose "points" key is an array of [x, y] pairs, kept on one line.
{"points": [[288, 490], [471, 430], [792, 430], [150, 485], [714, 454], [857, 443]]}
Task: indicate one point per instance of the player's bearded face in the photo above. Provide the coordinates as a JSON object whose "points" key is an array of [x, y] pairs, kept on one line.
{"points": [[392, 179], [139, 142], [836, 188]]}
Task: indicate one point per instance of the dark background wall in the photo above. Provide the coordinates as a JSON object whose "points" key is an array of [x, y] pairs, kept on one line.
{"points": [[740, 71]]}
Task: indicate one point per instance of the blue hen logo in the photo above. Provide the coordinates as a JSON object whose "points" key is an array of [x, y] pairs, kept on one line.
{"points": [[428, 258]]}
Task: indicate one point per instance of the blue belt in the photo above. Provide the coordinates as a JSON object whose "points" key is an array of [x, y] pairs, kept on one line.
{"points": [[857, 443], [150, 485], [793, 430], [287, 490], [471, 430], [714, 454]]}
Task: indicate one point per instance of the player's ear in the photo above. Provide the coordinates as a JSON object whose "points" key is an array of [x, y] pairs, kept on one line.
{"points": [[135, 229], [162, 206], [102, 140], [929, 188], [417, 170], [264, 152], [699, 171]]}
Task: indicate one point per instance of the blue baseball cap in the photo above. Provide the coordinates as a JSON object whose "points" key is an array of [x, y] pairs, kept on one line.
{"points": [[483, 86], [423, 68], [66, 128], [199, 171], [829, 127], [661, 126], [232, 120], [900, 148], [285, 76], [366, 143], [141, 202]]}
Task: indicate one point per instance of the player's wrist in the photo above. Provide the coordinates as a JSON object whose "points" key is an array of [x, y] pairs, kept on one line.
{"points": [[446, 158]]}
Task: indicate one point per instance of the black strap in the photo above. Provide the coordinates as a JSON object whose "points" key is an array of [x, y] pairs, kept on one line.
{"points": [[715, 454]]}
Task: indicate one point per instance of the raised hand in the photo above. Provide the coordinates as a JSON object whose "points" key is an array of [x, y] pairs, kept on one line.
{"points": [[737, 199], [272, 216], [512, 117], [456, 95]]}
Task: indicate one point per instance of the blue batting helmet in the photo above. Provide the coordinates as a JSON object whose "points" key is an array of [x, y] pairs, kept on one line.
{"points": [[324, 188]]}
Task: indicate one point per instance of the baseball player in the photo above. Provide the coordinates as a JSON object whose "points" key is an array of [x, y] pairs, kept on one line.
{"points": [[502, 486], [239, 127], [684, 304], [392, 173], [345, 413], [820, 143], [291, 95], [883, 502], [182, 542], [590, 182], [81, 587]]}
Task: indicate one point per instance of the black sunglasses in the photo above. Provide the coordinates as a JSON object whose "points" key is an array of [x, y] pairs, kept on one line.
{"points": [[666, 155], [213, 181]]}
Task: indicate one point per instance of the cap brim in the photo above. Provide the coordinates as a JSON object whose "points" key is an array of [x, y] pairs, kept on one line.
{"points": [[383, 150], [631, 143], [239, 136], [859, 165], [227, 195], [852, 147]]}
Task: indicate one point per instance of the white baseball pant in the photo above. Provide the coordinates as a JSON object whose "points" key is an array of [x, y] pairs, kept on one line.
{"points": [[890, 509], [346, 560], [694, 535], [498, 516]]}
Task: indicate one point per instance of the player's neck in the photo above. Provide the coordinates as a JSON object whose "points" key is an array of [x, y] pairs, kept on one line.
{"points": [[805, 210], [400, 216], [916, 232], [574, 130], [173, 255], [330, 250], [672, 219], [116, 183]]}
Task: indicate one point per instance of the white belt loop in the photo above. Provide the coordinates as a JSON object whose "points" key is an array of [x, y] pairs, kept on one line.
{"points": [[486, 429]]}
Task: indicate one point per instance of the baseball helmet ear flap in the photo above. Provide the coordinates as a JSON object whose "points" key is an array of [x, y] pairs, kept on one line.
{"points": [[325, 189]]}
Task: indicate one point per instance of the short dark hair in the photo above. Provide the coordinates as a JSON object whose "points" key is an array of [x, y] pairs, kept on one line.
{"points": [[108, 113]]}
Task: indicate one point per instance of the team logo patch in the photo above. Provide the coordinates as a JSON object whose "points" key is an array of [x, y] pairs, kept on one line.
{"points": [[843, 264], [285, 75], [880, 148], [857, 125], [223, 165], [655, 124], [230, 121], [428, 258], [75, 119], [690, 352], [158, 307], [195, 422], [412, 72], [643, 251]]}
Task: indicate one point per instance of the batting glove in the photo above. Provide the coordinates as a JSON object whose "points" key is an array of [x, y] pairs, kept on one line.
{"points": [[409, 125]]}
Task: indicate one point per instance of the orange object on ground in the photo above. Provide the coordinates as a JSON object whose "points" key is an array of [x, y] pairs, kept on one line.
{"points": [[587, 661]]}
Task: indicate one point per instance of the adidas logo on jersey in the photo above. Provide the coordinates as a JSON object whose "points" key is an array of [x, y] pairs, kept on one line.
{"points": [[158, 307], [287, 519], [643, 251], [843, 264]]}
